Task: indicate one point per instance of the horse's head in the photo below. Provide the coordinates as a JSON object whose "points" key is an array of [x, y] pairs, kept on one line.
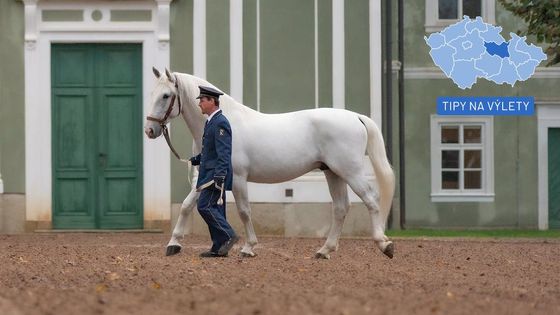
{"points": [[165, 104]]}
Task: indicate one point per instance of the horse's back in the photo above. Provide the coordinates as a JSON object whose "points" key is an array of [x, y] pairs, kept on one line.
{"points": [[279, 147]]}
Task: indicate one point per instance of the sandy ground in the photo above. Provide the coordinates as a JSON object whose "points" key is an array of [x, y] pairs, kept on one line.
{"points": [[128, 274]]}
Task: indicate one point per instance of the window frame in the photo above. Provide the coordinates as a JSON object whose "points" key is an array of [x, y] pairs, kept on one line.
{"points": [[486, 192], [435, 24]]}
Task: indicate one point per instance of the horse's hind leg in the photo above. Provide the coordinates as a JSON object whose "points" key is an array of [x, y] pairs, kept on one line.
{"points": [[340, 204], [366, 192], [244, 208], [174, 247]]}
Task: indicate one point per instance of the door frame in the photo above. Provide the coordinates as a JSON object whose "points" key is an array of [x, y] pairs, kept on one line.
{"points": [[97, 91], [548, 116], [39, 35]]}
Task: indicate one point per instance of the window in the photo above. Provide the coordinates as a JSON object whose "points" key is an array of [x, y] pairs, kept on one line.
{"points": [[454, 9], [462, 159], [441, 13]]}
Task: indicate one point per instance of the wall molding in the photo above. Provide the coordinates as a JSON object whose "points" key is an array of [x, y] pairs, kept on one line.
{"points": [[236, 49], [436, 73], [338, 46], [199, 38]]}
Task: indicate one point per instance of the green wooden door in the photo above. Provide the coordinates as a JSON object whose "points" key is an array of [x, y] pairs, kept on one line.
{"points": [[554, 178], [97, 136]]}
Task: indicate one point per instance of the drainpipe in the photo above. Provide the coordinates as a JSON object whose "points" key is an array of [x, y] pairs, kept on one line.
{"points": [[402, 193], [389, 80], [389, 88]]}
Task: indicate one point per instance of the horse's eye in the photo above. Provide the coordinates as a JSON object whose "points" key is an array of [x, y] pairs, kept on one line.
{"points": [[165, 96]]}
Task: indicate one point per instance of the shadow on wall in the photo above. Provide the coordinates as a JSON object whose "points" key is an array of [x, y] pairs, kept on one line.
{"points": [[12, 213]]}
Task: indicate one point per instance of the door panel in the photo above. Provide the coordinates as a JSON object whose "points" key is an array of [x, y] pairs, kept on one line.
{"points": [[72, 130], [120, 121], [73, 181], [72, 66], [97, 136], [120, 129], [554, 178]]}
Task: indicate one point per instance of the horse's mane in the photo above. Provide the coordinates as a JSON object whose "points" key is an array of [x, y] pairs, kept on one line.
{"points": [[190, 83]]}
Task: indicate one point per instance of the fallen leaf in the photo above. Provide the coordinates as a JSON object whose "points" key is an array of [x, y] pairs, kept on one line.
{"points": [[100, 288], [113, 276], [156, 285]]}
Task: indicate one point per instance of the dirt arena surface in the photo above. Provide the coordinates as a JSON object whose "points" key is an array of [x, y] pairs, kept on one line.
{"points": [[128, 274]]}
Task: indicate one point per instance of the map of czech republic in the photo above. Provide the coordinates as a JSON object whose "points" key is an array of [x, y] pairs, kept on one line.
{"points": [[472, 49]]}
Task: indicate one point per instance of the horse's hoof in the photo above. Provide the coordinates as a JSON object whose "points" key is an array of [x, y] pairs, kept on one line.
{"points": [[247, 255], [389, 250], [172, 250], [322, 256]]}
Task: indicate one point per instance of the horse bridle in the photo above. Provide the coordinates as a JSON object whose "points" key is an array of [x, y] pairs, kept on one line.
{"points": [[163, 121]]}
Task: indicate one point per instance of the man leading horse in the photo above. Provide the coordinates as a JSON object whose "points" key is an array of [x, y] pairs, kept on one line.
{"points": [[215, 173]]}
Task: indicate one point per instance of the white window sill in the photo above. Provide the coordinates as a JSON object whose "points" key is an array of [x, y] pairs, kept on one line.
{"points": [[462, 197], [439, 25]]}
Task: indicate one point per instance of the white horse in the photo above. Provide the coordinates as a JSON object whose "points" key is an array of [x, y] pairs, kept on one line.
{"points": [[273, 148]]}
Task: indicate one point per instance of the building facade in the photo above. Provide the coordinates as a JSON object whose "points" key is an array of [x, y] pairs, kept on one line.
{"points": [[76, 82]]}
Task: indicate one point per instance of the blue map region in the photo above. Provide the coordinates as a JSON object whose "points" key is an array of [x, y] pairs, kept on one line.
{"points": [[494, 49], [472, 49], [491, 65]]}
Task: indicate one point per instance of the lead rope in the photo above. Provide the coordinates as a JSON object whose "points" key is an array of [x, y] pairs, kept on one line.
{"points": [[188, 162], [166, 131]]}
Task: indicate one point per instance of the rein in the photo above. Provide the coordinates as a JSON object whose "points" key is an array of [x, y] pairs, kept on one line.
{"points": [[163, 123]]}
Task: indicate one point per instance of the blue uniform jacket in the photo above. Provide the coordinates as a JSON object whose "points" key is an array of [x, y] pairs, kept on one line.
{"points": [[215, 158]]}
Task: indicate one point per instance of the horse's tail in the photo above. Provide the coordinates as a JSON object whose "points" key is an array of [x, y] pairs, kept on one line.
{"points": [[383, 170]]}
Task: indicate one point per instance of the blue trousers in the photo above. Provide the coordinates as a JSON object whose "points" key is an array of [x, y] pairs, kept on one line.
{"points": [[215, 216]]}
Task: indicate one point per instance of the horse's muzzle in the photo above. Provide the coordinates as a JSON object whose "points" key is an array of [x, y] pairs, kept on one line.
{"points": [[150, 133]]}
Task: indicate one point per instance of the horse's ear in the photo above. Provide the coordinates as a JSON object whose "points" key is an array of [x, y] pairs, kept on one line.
{"points": [[170, 77], [156, 72]]}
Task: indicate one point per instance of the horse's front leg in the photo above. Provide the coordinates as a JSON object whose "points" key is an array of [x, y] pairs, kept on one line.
{"points": [[244, 208], [174, 247]]}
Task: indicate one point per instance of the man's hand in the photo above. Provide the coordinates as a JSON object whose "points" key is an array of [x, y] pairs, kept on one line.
{"points": [[194, 161], [219, 181]]}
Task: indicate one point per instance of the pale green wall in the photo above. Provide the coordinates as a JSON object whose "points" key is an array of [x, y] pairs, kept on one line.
{"points": [[181, 61], [416, 52], [217, 43], [12, 101], [356, 29], [287, 55]]}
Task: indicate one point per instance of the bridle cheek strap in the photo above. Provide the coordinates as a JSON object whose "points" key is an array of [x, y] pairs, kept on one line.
{"points": [[162, 122]]}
